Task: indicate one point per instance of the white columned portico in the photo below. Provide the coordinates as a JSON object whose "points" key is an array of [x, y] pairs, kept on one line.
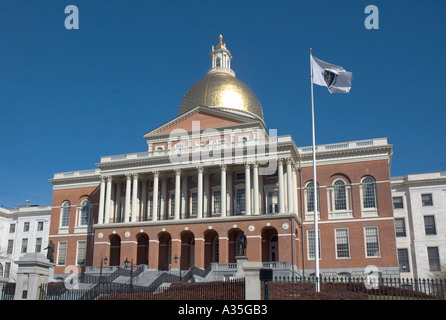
{"points": [[200, 193], [128, 187], [247, 189], [135, 198], [290, 196], [183, 197], [177, 194], [223, 190], [101, 201], [281, 186], [108, 200], [155, 196], [255, 193]]}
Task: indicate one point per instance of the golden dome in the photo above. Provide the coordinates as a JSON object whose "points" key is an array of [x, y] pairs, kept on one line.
{"points": [[221, 89]]}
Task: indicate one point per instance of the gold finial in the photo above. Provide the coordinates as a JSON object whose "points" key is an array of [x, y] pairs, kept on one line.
{"points": [[220, 44]]}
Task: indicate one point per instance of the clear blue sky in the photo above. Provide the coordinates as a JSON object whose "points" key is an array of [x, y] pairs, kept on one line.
{"points": [[68, 97]]}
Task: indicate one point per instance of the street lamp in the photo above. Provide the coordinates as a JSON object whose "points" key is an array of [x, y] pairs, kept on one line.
{"points": [[126, 263], [176, 260], [103, 261]]}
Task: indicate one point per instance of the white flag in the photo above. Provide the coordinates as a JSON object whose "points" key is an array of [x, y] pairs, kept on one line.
{"points": [[335, 78]]}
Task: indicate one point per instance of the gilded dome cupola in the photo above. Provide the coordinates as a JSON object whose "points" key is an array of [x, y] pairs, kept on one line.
{"points": [[221, 89]]}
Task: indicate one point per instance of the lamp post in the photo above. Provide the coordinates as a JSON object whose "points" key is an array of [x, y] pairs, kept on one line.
{"points": [[103, 261], [176, 260], [126, 263]]}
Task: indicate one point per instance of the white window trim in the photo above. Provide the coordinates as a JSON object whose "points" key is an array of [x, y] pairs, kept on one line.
{"points": [[77, 250], [58, 253], [336, 244], [216, 188], [309, 215], [339, 214], [64, 229], [319, 246], [368, 212], [365, 243]]}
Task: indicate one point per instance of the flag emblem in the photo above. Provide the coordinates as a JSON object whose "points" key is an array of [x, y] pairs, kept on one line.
{"points": [[330, 78]]}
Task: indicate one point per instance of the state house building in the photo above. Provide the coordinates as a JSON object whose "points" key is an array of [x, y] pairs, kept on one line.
{"points": [[215, 172]]}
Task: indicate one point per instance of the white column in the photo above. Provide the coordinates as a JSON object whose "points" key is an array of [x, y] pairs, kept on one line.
{"points": [[200, 193], [290, 197], [135, 198], [128, 187], [293, 170], [177, 194], [223, 190], [281, 186], [183, 197], [206, 196], [155, 196], [101, 202], [230, 201], [108, 200], [247, 189], [144, 200], [163, 201], [255, 182]]}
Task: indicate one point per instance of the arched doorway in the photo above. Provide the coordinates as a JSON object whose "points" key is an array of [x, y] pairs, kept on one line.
{"points": [[233, 235], [165, 240], [211, 247], [115, 250], [187, 250], [142, 254], [270, 247]]}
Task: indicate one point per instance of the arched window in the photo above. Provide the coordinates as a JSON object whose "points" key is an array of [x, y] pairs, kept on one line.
{"points": [[310, 197], [340, 195], [65, 214], [215, 249], [85, 213], [218, 62], [368, 193]]}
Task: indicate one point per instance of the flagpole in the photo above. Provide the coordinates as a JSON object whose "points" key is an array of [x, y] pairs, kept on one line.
{"points": [[315, 198]]}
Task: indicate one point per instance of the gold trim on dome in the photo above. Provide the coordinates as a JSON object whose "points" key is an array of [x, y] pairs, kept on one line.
{"points": [[224, 91]]}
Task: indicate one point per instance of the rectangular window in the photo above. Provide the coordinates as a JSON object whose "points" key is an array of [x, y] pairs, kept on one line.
{"points": [[311, 246], [217, 201], [194, 203], [372, 242], [273, 200], [429, 225], [403, 260], [12, 228], [342, 243], [10, 247], [40, 226], [81, 252], [240, 204], [24, 248], [151, 205], [26, 227], [62, 253], [426, 199], [7, 269], [400, 227], [172, 204], [397, 202], [434, 258], [239, 176], [38, 245]]}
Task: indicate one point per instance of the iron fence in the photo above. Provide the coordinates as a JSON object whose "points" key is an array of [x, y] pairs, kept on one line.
{"points": [[356, 288], [214, 290]]}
